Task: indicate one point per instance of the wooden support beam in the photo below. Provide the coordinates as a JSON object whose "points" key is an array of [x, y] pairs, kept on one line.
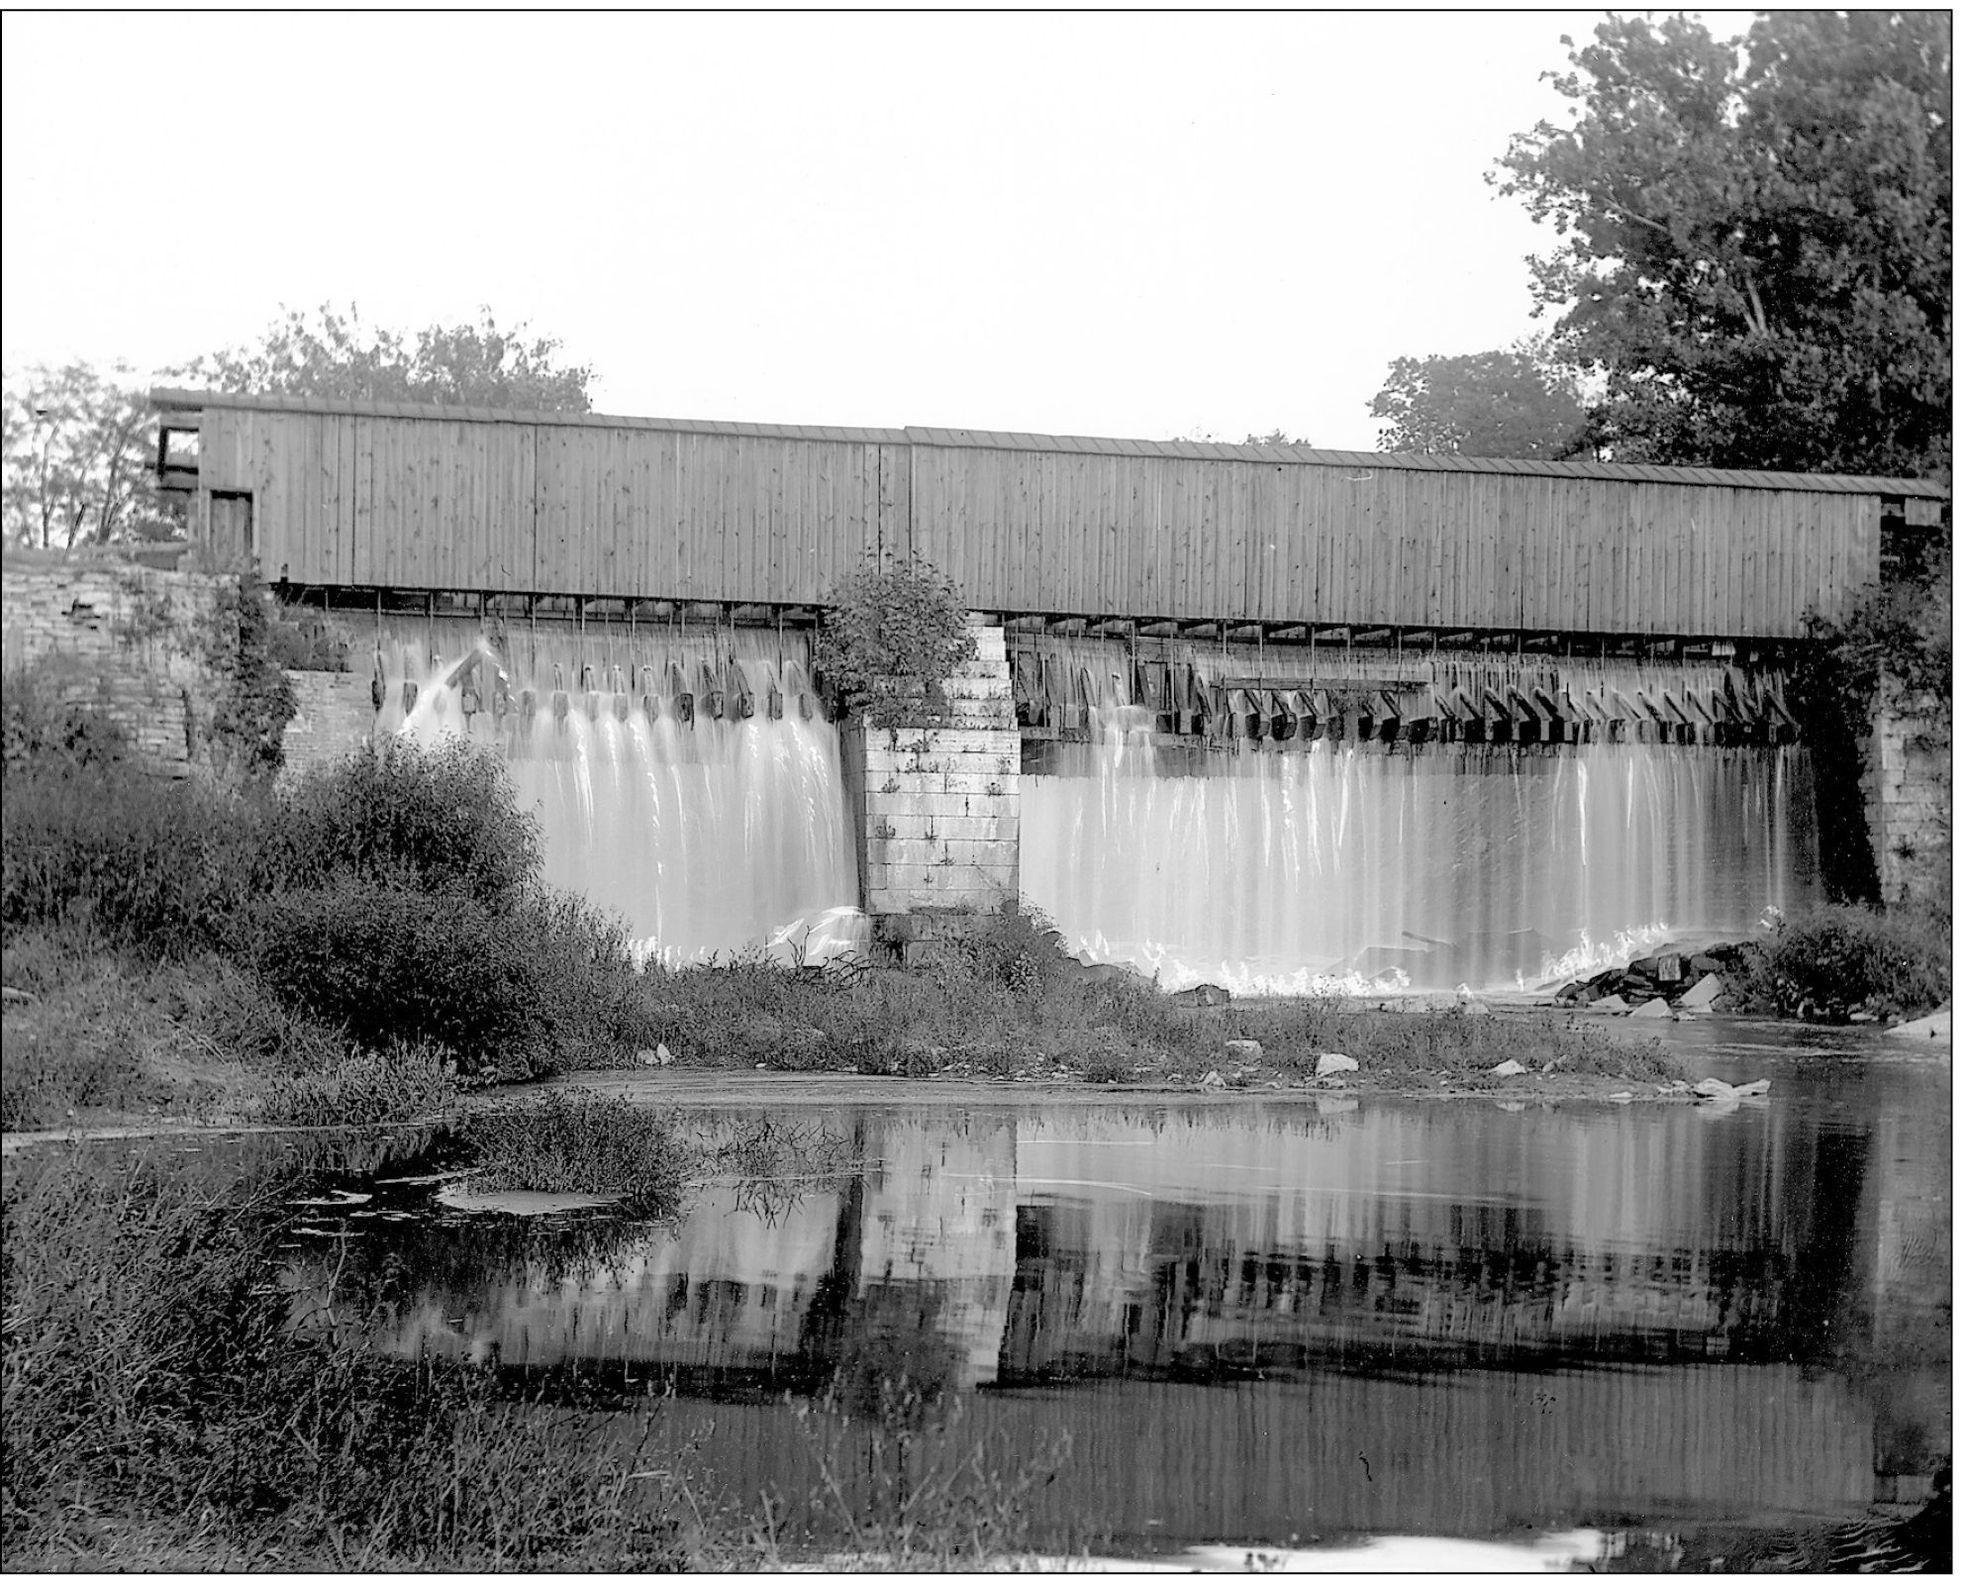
{"points": [[1200, 628], [1375, 635], [1114, 627], [1251, 633], [1161, 628], [1290, 633], [1066, 625]]}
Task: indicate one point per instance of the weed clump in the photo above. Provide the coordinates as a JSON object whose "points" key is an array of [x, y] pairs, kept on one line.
{"points": [[365, 1089], [582, 1142]]}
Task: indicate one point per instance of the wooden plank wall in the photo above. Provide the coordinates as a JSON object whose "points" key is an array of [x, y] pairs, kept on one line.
{"points": [[667, 513], [555, 508], [1197, 539]]}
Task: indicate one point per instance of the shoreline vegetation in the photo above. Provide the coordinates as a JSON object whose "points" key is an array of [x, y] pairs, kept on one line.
{"points": [[371, 951]]}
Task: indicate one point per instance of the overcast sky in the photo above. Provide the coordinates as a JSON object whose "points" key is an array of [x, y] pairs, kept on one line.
{"points": [[1145, 226]]}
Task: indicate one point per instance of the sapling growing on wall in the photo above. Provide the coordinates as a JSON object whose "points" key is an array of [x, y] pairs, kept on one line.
{"points": [[891, 640]]}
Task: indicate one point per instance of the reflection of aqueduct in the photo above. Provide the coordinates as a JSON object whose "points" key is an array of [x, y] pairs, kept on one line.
{"points": [[1074, 1244], [1226, 1314]]}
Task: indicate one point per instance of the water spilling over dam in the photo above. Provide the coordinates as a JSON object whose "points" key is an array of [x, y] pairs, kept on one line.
{"points": [[1396, 825], [1410, 824], [1449, 864], [689, 783]]}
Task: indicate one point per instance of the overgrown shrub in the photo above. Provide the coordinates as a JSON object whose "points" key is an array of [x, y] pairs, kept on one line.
{"points": [[1838, 959], [444, 819], [889, 641], [391, 964], [254, 702]]}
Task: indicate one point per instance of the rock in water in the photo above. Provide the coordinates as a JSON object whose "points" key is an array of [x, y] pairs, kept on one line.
{"points": [[1333, 1064], [1654, 1010], [1510, 1067], [1213, 1082], [1610, 1004], [1701, 995]]}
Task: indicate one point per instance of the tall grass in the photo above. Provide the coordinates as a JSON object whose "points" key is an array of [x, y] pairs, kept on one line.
{"points": [[155, 1370]]}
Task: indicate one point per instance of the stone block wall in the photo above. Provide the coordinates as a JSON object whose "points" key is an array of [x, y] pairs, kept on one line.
{"points": [[121, 638], [334, 716], [1908, 796], [935, 808]]}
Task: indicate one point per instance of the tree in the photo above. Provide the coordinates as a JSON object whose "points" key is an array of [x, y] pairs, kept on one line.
{"points": [[338, 356], [1755, 239], [75, 459], [1494, 403]]}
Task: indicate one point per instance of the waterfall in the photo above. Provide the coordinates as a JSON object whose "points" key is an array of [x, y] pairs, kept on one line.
{"points": [[704, 834], [1423, 866]]}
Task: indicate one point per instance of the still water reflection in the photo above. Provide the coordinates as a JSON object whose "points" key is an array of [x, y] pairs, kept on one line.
{"points": [[1266, 1322]]}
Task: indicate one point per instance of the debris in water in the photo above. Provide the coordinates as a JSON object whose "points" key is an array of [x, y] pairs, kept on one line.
{"points": [[1654, 1010]]}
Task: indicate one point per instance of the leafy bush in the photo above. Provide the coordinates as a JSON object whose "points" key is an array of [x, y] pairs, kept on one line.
{"points": [[582, 1142], [1832, 961], [890, 640], [445, 819], [390, 965], [517, 991], [365, 1089]]}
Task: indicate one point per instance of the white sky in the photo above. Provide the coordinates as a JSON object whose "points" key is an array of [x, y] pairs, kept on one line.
{"points": [[1139, 225]]}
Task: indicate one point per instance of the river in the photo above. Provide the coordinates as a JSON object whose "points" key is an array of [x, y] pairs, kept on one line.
{"points": [[1293, 1323]]}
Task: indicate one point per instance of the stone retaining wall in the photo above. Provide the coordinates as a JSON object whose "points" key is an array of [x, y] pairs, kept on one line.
{"points": [[1908, 796], [122, 638], [334, 716]]}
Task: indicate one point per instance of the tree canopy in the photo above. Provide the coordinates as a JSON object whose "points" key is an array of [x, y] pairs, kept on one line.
{"points": [[74, 459], [334, 354], [1755, 239], [1494, 403]]}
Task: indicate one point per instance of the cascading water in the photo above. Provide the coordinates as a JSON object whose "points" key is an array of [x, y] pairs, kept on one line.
{"points": [[1447, 864], [706, 834]]}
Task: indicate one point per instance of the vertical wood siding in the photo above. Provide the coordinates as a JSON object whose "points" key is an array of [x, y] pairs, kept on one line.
{"points": [[654, 512]]}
